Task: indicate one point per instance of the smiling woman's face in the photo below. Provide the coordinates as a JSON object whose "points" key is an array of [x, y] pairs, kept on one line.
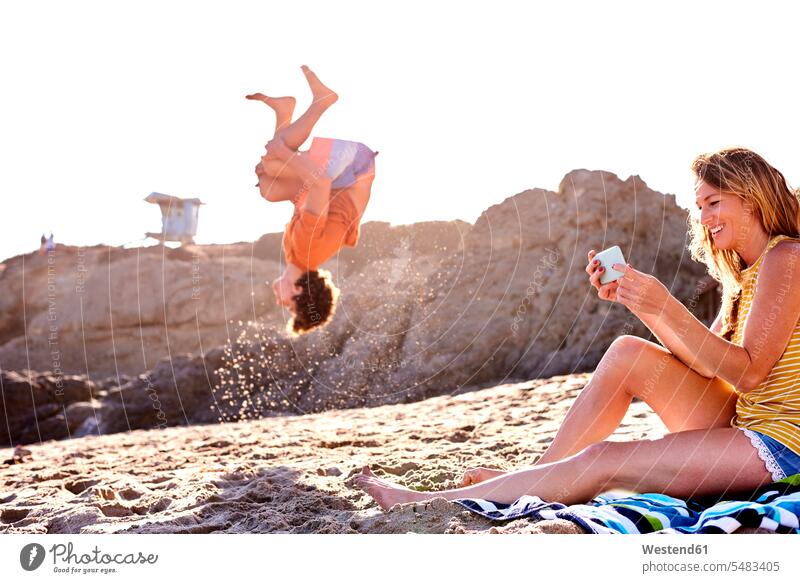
{"points": [[722, 209]]}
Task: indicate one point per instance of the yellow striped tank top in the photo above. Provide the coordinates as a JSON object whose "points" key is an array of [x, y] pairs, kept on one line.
{"points": [[772, 408]]}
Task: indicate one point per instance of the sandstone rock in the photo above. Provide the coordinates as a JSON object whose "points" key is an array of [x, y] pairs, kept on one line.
{"points": [[192, 335], [41, 406]]}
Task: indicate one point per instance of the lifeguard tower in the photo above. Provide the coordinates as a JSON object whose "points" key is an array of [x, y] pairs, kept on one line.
{"points": [[178, 217]]}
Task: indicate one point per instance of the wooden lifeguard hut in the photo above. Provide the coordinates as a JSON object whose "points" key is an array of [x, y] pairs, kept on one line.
{"points": [[178, 217]]}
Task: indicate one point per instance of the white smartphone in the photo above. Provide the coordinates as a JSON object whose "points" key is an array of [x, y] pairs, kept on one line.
{"points": [[607, 258]]}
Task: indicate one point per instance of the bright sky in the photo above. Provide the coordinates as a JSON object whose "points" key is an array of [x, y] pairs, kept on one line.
{"points": [[105, 102]]}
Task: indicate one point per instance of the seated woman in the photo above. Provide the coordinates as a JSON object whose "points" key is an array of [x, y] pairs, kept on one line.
{"points": [[730, 395], [330, 186]]}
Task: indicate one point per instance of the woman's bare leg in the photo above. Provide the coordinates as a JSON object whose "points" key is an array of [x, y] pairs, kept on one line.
{"points": [[634, 367], [576, 478], [684, 464]]}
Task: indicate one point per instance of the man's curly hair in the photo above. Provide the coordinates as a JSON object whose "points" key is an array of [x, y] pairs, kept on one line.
{"points": [[316, 304]]}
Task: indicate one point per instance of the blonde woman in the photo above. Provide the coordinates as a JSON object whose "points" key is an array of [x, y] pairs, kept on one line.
{"points": [[729, 395]]}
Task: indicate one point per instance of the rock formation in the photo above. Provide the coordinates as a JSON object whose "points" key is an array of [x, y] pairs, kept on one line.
{"points": [[192, 335]]}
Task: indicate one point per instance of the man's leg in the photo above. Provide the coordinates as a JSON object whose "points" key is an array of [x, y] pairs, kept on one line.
{"points": [[359, 192], [279, 189], [296, 133], [283, 107]]}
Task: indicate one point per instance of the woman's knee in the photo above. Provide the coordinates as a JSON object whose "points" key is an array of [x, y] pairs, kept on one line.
{"points": [[600, 462], [627, 346], [620, 356], [599, 450], [629, 355]]}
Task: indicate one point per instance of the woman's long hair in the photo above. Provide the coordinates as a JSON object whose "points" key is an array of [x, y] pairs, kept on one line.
{"points": [[763, 189]]}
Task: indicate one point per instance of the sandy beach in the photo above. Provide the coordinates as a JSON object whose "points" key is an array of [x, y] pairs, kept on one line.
{"points": [[293, 474]]}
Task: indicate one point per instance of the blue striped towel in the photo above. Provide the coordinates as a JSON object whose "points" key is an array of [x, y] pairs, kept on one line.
{"points": [[774, 506]]}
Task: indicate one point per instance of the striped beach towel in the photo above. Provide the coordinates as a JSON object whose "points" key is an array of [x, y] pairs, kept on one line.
{"points": [[774, 506]]}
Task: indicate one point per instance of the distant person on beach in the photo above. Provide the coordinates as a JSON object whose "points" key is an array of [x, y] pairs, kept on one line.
{"points": [[51, 244], [42, 245], [729, 394], [329, 185]]}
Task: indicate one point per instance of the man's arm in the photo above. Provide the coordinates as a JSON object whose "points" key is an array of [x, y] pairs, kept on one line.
{"points": [[313, 177]]}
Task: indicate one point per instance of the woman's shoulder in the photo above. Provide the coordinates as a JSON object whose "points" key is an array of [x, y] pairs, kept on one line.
{"points": [[785, 240], [780, 260], [776, 251], [783, 247]]}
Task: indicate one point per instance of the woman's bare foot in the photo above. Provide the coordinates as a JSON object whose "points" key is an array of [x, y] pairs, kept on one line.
{"points": [[283, 106], [385, 493], [477, 475], [321, 93]]}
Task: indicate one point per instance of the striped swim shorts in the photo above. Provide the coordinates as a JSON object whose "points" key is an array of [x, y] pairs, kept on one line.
{"points": [[344, 161]]}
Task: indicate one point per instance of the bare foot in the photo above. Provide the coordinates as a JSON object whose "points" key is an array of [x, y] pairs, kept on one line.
{"points": [[321, 93], [385, 493], [477, 475], [283, 106]]}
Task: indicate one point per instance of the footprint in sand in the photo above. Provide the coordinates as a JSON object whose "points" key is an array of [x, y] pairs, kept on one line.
{"points": [[99, 493], [130, 493], [459, 436], [115, 510], [398, 470], [160, 505], [78, 486], [11, 515], [161, 479]]}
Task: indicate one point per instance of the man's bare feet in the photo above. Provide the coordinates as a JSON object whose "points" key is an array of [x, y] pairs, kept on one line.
{"points": [[322, 94], [385, 493], [283, 106]]}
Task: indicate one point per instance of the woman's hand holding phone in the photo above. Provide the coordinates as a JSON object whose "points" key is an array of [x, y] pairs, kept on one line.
{"points": [[640, 292], [595, 270]]}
